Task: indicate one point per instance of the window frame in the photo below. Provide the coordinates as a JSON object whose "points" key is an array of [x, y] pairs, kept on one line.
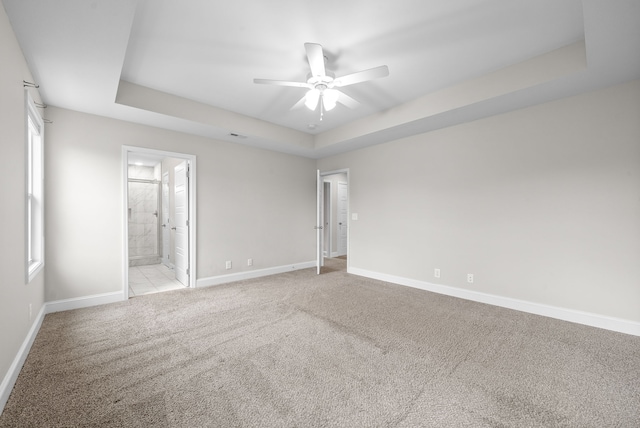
{"points": [[34, 189]]}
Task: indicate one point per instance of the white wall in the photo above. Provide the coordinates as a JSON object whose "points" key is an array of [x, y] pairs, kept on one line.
{"points": [[540, 204], [15, 294], [251, 203]]}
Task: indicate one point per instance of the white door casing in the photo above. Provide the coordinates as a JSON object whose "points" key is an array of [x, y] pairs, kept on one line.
{"points": [[181, 223]]}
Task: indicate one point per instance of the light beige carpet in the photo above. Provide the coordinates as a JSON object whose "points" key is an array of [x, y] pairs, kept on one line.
{"points": [[300, 350]]}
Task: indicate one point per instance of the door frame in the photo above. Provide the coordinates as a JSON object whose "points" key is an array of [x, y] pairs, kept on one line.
{"points": [[320, 212], [191, 160]]}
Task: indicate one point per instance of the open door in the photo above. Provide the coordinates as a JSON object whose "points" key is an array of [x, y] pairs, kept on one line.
{"points": [[166, 235], [319, 233], [181, 222]]}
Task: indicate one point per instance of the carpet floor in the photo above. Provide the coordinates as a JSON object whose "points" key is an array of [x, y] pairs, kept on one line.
{"points": [[335, 350]]}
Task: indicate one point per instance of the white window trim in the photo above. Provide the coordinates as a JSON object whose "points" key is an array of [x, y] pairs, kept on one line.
{"points": [[34, 194]]}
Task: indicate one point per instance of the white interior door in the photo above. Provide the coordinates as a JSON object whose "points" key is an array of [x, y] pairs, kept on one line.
{"points": [[318, 227], [181, 222], [343, 209], [166, 227]]}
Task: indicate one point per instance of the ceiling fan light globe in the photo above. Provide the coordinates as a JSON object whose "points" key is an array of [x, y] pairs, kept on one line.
{"points": [[311, 99], [329, 99]]}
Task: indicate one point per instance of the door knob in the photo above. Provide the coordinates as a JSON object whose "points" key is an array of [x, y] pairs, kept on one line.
{"points": [[173, 228]]}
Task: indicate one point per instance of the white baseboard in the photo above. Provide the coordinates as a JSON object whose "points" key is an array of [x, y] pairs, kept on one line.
{"points": [[83, 302], [14, 370], [49, 307], [579, 317], [224, 279]]}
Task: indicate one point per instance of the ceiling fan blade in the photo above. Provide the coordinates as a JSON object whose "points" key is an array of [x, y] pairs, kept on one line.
{"points": [[282, 83], [361, 76], [347, 100], [316, 59]]}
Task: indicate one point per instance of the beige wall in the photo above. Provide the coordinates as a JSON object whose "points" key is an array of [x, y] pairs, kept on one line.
{"points": [[15, 294], [540, 204], [251, 203]]}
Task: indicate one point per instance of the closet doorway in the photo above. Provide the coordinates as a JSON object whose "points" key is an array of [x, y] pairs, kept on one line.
{"points": [[159, 221], [333, 219]]}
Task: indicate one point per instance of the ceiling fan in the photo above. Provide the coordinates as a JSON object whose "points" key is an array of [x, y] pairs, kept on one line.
{"points": [[322, 84]]}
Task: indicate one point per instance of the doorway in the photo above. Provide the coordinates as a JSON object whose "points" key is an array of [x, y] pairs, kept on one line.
{"points": [[159, 238], [333, 221], [326, 221]]}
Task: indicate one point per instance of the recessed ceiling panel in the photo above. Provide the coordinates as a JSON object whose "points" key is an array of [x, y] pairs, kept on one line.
{"points": [[210, 52]]}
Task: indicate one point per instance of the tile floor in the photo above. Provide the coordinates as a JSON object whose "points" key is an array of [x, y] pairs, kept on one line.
{"points": [[151, 279]]}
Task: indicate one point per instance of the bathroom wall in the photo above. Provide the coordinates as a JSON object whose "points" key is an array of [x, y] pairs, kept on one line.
{"points": [[143, 216]]}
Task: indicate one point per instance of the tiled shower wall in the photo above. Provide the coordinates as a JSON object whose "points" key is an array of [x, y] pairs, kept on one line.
{"points": [[143, 224]]}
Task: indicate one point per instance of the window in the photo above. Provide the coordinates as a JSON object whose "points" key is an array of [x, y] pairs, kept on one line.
{"points": [[35, 189]]}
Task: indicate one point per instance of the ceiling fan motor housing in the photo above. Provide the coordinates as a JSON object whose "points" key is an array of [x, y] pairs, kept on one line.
{"points": [[321, 82]]}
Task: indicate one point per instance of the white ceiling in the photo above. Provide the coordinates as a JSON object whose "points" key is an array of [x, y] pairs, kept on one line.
{"points": [[189, 65]]}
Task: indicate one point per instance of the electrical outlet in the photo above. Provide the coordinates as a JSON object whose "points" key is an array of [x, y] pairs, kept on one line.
{"points": [[470, 278], [228, 264], [436, 273], [249, 262]]}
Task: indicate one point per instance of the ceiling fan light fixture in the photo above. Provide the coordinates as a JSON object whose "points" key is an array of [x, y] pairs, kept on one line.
{"points": [[329, 98], [321, 82], [312, 98]]}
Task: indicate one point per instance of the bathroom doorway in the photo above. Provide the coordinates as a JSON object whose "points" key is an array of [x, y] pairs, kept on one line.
{"points": [[160, 235]]}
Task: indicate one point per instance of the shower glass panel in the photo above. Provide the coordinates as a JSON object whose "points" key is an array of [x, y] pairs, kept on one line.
{"points": [[144, 222]]}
